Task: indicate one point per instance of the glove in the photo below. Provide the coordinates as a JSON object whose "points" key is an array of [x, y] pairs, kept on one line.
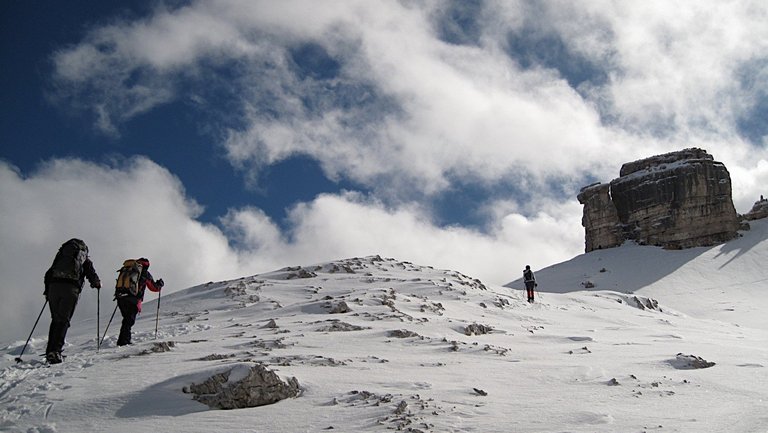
{"points": [[160, 283], [96, 285], [535, 284]]}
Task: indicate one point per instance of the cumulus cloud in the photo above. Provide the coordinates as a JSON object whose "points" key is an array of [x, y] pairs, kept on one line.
{"points": [[351, 224], [377, 93], [139, 210], [131, 208]]}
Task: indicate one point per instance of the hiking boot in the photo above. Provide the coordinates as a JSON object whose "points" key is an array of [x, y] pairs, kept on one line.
{"points": [[53, 357]]}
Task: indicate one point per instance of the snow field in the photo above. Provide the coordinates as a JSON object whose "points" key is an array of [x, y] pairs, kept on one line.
{"points": [[399, 358]]}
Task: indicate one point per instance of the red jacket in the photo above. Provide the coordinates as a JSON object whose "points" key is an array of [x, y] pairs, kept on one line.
{"points": [[146, 282]]}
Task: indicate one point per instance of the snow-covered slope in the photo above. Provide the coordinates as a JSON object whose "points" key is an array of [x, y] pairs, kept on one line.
{"points": [[728, 282], [578, 360]]}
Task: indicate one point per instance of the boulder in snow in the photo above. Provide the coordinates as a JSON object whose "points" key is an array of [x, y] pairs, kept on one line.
{"points": [[243, 386], [477, 329], [402, 333], [340, 308], [689, 362]]}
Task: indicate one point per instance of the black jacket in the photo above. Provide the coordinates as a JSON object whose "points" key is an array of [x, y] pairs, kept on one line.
{"points": [[88, 271]]}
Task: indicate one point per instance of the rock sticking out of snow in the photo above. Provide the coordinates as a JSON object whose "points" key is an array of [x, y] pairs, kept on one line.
{"points": [[646, 303], [159, 347], [339, 326], [402, 333], [759, 210], [641, 302], [477, 329], [243, 386], [689, 362], [340, 308], [216, 357]]}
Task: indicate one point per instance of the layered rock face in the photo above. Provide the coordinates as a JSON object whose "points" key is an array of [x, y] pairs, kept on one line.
{"points": [[676, 200], [600, 218]]}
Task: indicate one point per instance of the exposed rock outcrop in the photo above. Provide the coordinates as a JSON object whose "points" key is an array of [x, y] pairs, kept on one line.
{"points": [[676, 200], [758, 211], [243, 386], [477, 329], [688, 362]]}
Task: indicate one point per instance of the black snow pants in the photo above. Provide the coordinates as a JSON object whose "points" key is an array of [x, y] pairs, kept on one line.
{"points": [[129, 308], [62, 300]]}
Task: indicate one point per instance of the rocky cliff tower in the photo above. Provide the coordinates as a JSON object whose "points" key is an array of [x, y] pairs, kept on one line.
{"points": [[676, 200]]}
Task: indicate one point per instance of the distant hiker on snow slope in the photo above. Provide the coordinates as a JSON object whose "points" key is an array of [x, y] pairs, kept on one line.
{"points": [[63, 284], [530, 282], [132, 280]]}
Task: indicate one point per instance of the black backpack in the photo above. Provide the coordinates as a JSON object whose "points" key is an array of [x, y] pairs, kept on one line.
{"points": [[68, 263], [528, 275]]}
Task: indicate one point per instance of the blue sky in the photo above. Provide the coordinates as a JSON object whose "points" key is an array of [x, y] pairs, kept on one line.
{"points": [[227, 138], [171, 135]]}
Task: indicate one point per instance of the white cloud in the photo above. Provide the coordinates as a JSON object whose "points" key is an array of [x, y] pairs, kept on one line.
{"points": [[456, 109], [350, 224], [678, 65], [120, 213], [671, 78], [464, 110]]}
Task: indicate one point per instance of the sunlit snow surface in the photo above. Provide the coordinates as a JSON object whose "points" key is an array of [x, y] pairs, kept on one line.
{"points": [[578, 360]]}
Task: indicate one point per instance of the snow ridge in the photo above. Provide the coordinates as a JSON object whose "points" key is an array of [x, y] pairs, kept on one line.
{"points": [[378, 344]]}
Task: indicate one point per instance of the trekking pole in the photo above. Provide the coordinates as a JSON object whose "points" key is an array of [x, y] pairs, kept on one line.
{"points": [[157, 316], [98, 317], [18, 358], [109, 323]]}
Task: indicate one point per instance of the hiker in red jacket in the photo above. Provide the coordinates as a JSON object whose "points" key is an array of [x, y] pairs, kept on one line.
{"points": [[130, 304]]}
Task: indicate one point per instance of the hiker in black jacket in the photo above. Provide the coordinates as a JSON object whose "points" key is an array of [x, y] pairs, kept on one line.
{"points": [[130, 304], [530, 282], [63, 284]]}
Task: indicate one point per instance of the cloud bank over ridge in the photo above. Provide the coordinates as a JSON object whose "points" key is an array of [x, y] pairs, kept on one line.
{"points": [[133, 208]]}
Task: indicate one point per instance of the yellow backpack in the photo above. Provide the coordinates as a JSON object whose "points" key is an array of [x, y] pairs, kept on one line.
{"points": [[128, 277]]}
